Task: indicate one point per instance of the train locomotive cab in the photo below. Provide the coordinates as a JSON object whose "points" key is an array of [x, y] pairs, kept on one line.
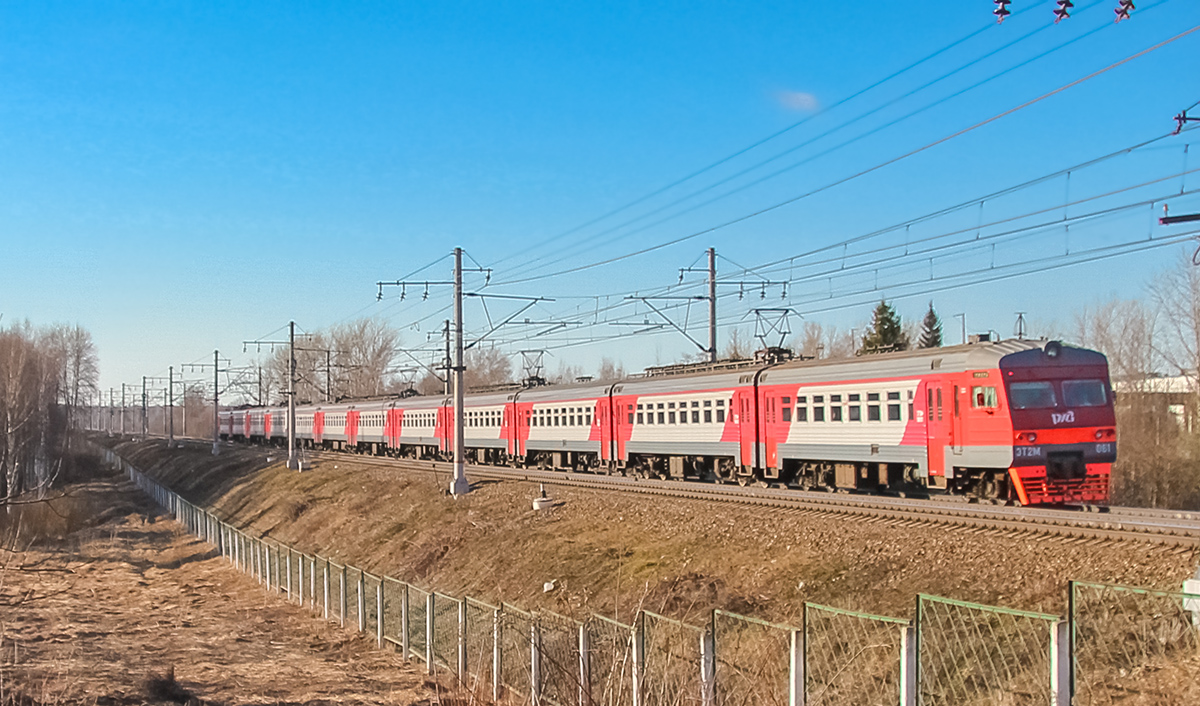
{"points": [[1063, 424]]}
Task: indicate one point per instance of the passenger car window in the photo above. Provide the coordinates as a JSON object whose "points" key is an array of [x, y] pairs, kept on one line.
{"points": [[1084, 393], [1031, 395], [984, 397]]}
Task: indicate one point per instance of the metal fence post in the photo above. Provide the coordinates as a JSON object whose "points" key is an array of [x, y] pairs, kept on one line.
{"points": [[300, 581], [908, 666], [342, 597], [639, 656], [585, 666], [1060, 663], [429, 623], [708, 663], [312, 580], [535, 663], [796, 680], [497, 655], [325, 576], [267, 560], [289, 574], [362, 608], [379, 613], [1071, 586], [917, 641], [404, 622], [462, 640]]}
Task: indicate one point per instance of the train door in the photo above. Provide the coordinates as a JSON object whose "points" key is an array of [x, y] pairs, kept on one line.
{"points": [[938, 426], [352, 427], [956, 431], [743, 417], [603, 414]]}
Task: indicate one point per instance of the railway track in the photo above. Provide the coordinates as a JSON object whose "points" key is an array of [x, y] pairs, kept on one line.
{"points": [[1168, 528], [1164, 527]]}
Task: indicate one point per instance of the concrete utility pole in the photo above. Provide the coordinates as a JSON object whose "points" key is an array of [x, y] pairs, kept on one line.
{"points": [[712, 305], [448, 362], [293, 462], [170, 406], [459, 485], [122, 409], [145, 411], [963, 317], [216, 451]]}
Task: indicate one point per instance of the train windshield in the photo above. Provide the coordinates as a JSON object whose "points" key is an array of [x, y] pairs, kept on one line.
{"points": [[1031, 395], [1084, 393]]}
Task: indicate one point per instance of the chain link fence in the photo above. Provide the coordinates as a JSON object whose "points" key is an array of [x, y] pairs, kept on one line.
{"points": [[1134, 645], [563, 682], [754, 663], [482, 623], [1120, 645], [670, 660], [976, 655], [417, 624], [445, 632], [852, 658]]}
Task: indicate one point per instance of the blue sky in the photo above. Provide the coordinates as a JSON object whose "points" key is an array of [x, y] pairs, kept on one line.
{"points": [[179, 177]]}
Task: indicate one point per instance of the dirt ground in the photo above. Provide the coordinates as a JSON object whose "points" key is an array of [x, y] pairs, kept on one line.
{"points": [[113, 599], [612, 553]]}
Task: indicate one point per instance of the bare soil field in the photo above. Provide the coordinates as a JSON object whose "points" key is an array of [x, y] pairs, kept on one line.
{"points": [[104, 601], [613, 553]]}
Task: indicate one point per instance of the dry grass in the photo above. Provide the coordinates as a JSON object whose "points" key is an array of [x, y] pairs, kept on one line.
{"points": [[126, 609], [611, 553]]}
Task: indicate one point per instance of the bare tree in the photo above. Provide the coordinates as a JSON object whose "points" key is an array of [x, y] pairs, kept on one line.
{"points": [[43, 377], [363, 354], [811, 343], [486, 366], [610, 370], [738, 346]]}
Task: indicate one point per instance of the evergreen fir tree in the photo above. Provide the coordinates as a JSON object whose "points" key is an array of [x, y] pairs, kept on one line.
{"points": [[931, 330], [886, 332]]}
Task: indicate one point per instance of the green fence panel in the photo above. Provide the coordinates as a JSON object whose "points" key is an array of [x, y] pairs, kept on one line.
{"points": [[1134, 645], [977, 655]]}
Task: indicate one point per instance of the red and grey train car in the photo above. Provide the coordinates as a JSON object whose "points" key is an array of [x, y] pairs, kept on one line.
{"points": [[1023, 421]]}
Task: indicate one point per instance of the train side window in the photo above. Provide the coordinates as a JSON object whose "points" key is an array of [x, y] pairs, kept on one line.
{"points": [[984, 397], [802, 414], [720, 414], [855, 411], [695, 416], [835, 413], [707, 415], [787, 411], [893, 408], [649, 416], [661, 418], [818, 411]]}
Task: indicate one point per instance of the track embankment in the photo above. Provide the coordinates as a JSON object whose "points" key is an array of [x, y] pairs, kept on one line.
{"points": [[612, 553]]}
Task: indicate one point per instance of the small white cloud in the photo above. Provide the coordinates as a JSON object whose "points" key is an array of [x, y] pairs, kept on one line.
{"points": [[798, 100]]}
